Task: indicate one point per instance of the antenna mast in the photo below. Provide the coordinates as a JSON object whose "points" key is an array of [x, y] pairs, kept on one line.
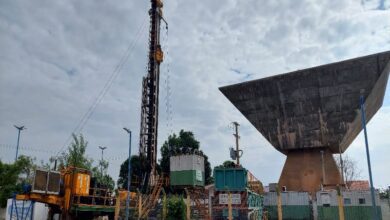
{"points": [[236, 154]]}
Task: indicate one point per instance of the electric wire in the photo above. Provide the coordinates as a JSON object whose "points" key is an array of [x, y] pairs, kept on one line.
{"points": [[42, 149], [168, 88], [87, 115]]}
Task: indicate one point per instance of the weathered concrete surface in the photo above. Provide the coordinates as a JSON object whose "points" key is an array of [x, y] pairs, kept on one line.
{"points": [[316, 107], [306, 111], [302, 171]]}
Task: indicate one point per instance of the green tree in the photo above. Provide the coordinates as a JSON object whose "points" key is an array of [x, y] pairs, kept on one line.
{"points": [[176, 208], [384, 194], [75, 156], [183, 144], [14, 176], [100, 174], [227, 164], [137, 170]]}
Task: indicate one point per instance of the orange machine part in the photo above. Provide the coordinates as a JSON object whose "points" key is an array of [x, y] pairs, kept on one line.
{"points": [[81, 183]]}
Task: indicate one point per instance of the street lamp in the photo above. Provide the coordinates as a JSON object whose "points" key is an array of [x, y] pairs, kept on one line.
{"points": [[128, 175], [363, 115], [101, 163], [20, 128]]}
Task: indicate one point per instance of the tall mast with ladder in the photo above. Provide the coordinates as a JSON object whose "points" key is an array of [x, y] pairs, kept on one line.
{"points": [[150, 96]]}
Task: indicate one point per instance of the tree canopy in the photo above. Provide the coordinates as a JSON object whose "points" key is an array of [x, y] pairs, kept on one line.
{"points": [[137, 171], [75, 156], [14, 176], [99, 172], [350, 169], [184, 143], [227, 164]]}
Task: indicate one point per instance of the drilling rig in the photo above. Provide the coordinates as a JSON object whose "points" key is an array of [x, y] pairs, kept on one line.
{"points": [[150, 97]]}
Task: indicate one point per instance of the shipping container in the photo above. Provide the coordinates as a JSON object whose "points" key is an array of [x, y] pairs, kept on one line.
{"points": [[350, 212], [295, 205], [288, 198], [230, 179], [357, 205], [187, 170]]}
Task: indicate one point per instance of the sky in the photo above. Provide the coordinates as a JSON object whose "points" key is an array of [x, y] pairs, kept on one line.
{"points": [[56, 58]]}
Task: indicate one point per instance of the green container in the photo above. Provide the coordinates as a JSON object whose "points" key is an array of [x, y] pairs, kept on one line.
{"points": [[225, 212], [230, 179], [350, 212], [186, 178], [292, 212]]}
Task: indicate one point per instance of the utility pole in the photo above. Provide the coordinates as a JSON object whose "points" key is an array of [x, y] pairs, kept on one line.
{"points": [[128, 176], [20, 128], [101, 163], [237, 145], [362, 111]]}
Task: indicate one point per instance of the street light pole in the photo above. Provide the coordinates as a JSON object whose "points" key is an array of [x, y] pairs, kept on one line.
{"points": [[101, 162], [20, 128], [128, 175], [363, 114]]}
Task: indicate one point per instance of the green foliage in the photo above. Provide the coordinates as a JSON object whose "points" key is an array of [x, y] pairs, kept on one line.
{"points": [[136, 171], [176, 208], [227, 164], [384, 193], [100, 173], [14, 176], [75, 157], [185, 143], [76, 154]]}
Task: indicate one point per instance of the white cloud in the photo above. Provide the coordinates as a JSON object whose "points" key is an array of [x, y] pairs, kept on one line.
{"points": [[56, 57]]}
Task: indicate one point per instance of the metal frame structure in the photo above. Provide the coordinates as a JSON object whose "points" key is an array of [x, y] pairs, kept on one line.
{"points": [[150, 97], [23, 215]]}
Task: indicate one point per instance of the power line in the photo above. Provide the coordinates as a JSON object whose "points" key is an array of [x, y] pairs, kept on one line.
{"points": [[84, 119], [168, 89], [42, 149], [29, 148]]}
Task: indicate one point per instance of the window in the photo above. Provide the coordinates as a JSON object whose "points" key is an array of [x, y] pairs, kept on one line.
{"points": [[362, 201], [325, 199], [347, 201]]}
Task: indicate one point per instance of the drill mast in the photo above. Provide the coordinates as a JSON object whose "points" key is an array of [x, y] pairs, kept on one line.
{"points": [[150, 96]]}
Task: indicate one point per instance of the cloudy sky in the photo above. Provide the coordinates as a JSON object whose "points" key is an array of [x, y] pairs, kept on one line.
{"points": [[56, 58]]}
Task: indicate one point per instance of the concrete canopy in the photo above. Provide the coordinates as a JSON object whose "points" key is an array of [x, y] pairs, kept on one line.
{"points": [[316, 107]]}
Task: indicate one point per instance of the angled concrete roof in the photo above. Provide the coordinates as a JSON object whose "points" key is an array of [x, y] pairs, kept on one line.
{"points": [[315, 107]]}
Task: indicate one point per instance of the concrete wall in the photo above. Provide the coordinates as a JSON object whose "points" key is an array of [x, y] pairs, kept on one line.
{"points": [[385, 206]]}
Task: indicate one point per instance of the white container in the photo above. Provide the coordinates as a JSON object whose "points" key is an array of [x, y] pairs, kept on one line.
{"points": [[38, 210], [288, 198], [187, 162]]}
